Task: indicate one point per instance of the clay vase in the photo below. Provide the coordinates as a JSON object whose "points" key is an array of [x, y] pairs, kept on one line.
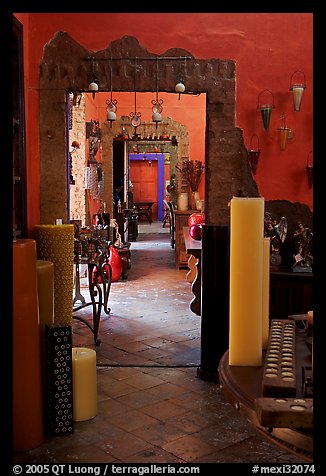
{"points": [[116, 264]]}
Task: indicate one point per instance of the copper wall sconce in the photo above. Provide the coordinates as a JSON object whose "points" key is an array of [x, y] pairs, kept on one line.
{"points": [[266, 108], [253, 154], [297, 89], [284, 133], [310, 169]]}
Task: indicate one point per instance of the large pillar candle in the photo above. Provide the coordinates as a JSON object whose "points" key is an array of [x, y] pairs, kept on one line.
{"points": [[266, 283], [27, 386], [84, 383], [246, 281], [45, 287], [55, 243]]}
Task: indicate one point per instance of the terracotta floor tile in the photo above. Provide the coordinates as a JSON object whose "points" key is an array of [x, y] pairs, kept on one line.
{"points": [[188, 448]]}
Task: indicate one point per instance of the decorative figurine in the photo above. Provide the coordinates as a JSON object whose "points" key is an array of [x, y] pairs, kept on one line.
{"points": [[303, 241]]}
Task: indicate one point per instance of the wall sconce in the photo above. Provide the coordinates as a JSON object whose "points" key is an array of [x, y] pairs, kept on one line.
{"points": [[310, 169], [253, 155], [283, 133], [266, 109], [297, 90]]}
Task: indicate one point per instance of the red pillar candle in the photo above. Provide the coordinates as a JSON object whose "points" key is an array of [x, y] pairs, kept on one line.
{"points": [[27, 384]]}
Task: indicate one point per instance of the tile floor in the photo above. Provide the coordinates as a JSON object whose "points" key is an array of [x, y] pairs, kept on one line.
{"points": [[151, 406]]}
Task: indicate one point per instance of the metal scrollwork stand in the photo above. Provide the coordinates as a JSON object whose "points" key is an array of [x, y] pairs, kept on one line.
{"points": [[99, 284]]}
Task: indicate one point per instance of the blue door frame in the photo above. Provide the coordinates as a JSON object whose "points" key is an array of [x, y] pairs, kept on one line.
{"points": [[160, 178]]}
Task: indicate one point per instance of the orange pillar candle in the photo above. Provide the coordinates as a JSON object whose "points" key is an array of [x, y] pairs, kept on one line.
{"points": [[84, 383], [266, 284], [246, 281], [55, 243], [27, 380]]}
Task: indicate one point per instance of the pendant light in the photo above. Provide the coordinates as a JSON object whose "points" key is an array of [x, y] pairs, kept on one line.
{"points": [[111, 107], [93, 85], [266, 108], [157, 104], [135, 116], [180, 87], [297, 89]]}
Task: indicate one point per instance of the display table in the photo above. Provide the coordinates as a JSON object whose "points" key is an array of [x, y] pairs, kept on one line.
{"points": [[193, 247], [180, 220], [144, 209], [242, 386]]}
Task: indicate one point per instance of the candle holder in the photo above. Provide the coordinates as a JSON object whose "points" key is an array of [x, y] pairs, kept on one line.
{"points": [[297, 90], [266, 108], [310, 169], [284, 133], [253, 155]]}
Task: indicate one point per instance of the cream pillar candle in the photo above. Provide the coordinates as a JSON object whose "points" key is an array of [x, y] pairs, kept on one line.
{"points": [[84, 383], [246, 281], [266, 281]]}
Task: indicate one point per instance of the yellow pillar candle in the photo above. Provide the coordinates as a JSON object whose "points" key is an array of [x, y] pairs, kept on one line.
{"points": [[246, 281], [84, 383], [266, 283], [55, 243], [45, 288]]}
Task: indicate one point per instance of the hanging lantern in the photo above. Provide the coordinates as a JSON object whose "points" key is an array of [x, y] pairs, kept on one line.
{"points": [[135, 116], [310, 169], [111, 109], [297, 89], [283, 133], [266, 109], [253, 155]]}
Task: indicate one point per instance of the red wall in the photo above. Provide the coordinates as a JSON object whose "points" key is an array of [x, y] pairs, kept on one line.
{"points": [[267, 49]]}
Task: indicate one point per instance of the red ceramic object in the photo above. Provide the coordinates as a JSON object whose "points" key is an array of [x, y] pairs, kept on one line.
{"points": [[195, 231], [196, 219], [116, 264]]}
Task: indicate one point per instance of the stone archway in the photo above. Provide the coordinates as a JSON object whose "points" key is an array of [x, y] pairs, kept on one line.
{"points": [[66, 67]]}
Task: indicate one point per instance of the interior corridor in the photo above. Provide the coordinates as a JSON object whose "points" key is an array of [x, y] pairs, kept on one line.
{"points": [[152, 408]]}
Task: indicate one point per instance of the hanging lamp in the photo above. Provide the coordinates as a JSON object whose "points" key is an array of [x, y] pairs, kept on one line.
{"points": [[111, 107], [266, 108], [135, 116], [283, 133], [180, 87], [297, 89], [310, 169], [93, 85], [253, 154], [157, 103]]}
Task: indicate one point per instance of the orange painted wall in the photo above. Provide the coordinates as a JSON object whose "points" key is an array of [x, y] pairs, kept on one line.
{"points": [[267, 49]]}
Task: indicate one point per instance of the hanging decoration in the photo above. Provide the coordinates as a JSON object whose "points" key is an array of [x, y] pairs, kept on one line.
{"points": [[283, 133], [297, 89], [266, 109], [253, 154], [157, 103], [180, 87], [310, 169], [111, 107], [135, 116], [93, 85]]}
